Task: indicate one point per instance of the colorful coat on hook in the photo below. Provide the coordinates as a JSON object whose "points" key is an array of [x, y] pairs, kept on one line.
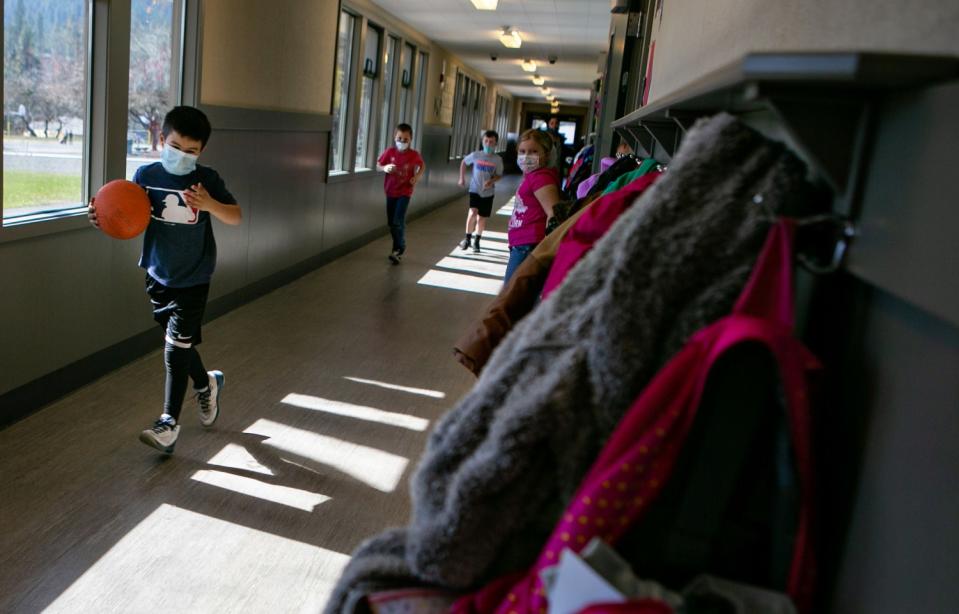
{"points": [[637, 461], [501, 466]]}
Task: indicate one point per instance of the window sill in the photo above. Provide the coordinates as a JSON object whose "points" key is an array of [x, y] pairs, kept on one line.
{"points": [[40, 225], [345, 176]]}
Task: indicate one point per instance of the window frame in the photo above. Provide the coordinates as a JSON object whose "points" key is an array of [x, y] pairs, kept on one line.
{"points": [[381, 96], [348, 119], [106, 106], [369, 165], [501, 119], [389, 98], [422, 72], [469, 108]]}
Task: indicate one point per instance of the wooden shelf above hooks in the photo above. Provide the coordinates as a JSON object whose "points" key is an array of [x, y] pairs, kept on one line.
{"points": [[822, 103]]}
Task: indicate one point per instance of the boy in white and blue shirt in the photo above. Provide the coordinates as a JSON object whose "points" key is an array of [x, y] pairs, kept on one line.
{"points": [[487, 170]]}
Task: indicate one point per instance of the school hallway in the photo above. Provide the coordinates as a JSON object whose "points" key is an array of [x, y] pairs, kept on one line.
{"points": [[332, 385]]}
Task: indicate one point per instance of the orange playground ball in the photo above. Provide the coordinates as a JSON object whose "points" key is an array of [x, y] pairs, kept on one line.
{"points": [[123, 209]]}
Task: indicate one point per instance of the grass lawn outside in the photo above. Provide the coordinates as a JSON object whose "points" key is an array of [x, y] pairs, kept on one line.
{"points": [[33, 189]]}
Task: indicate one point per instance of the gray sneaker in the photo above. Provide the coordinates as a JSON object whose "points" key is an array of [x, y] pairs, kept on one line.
{"points": [[209, 399], [162, 435], [396, 256]]}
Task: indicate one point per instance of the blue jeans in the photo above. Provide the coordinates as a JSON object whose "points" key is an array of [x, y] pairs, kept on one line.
{"points": [[517, 254], [396, 207]]}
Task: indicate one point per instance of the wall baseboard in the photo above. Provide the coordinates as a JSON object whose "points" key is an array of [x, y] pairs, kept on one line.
{"points": [[20, 402], [17, 404]]}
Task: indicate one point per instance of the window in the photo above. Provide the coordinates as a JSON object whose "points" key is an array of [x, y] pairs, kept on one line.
{"points": [[476, 128], [154, 77], [365, 129], [501, 119], [45, 87], [406, 83], [457, 114], [568, 130], [389, 91], [341, 93], [420, 98], [468, 107], [379, 82]]}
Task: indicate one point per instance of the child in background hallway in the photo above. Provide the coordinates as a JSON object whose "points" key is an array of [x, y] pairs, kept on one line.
{"points": [[487, 170], [179, 255], [535, 198], [403, 167]]}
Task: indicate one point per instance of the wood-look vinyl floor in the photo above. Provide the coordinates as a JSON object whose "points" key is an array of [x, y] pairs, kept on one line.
{"points": [[260, 512]]}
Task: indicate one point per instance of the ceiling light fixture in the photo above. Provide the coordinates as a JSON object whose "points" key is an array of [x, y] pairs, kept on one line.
{"points": [[485, 5], [510, 38], [537, 80], [529, 65]]}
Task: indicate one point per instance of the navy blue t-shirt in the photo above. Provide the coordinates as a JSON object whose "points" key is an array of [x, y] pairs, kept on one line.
{"points": [[178, 248]]}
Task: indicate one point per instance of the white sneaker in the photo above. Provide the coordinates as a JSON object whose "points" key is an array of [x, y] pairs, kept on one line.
{"points": [[209, 399], [162, 435]]}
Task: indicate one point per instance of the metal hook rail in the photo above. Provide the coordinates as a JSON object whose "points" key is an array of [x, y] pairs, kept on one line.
{"points": [[821, 104]]}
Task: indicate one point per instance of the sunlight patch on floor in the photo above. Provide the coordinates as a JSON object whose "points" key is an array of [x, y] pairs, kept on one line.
{"points": [[370, 414], [236, 456], [173, 561], [375, 468], [494, 234], [489, 246], [436, 394], [473, 266], [497, 257], [284, 495], [458, 281]]}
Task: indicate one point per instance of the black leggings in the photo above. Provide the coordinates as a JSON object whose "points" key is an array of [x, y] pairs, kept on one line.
{"points": [[180, 312], [181, 363]]}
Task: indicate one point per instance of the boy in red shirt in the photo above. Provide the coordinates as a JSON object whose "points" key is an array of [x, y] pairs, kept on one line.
{"points": [[403, 167]]}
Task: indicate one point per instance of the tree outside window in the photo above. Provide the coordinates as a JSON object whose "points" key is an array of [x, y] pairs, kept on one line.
{"points": [[153, 61]]}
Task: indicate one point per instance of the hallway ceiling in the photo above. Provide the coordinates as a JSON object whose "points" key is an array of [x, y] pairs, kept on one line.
{"points": [[575, 31]]}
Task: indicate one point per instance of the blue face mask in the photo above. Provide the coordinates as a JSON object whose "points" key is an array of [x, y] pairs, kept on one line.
{"points": [[489, 148], [177, 162]]}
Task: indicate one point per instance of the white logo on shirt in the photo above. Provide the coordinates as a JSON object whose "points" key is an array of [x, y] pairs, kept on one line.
{"points": [[515, 220], [172, 208]]}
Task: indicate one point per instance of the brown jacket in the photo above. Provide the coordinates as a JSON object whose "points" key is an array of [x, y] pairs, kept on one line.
{"points": [[514, 301]]}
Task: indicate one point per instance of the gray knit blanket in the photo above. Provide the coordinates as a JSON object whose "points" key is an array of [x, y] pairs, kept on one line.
{"points": [[500, 467]]}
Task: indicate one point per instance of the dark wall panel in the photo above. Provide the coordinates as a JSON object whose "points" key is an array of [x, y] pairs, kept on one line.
{"points": [[907, 241], [354, 206], [891, 455], [63, 295], [900, 551]]}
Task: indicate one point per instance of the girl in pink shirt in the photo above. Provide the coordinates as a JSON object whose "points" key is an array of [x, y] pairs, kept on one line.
{"points": [[535, 198]]}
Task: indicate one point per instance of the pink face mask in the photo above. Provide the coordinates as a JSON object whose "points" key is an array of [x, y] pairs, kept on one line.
{"points": [[527, 162]]}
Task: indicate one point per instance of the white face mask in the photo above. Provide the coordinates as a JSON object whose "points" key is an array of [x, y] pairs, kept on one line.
{"points": [[527, 162], [402, 146], [177, 162]]}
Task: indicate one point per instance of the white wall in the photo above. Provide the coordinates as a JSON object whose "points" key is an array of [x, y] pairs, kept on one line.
{"points": [[275, 55]]}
